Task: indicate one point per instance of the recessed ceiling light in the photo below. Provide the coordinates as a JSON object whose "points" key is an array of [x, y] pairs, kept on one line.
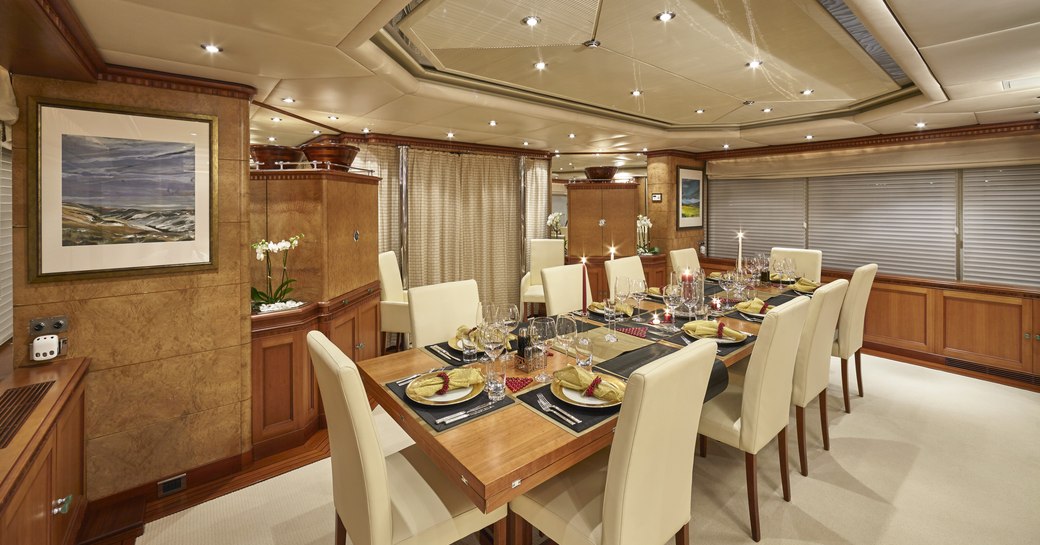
{"points": [[212, 48], [754, 64], [540, 65], [699, 111], [531, 20], [592, 44], [365, 130], [493, 123], [571, 135], [451, 134], [288, 100], [920, 124], [316, 131], [334, 117], [276, 119], [767, 110], [725, 146], [807, 92], [748, 102], [636, 92], [808, 137], [525, 142], [664, 16], [271, 139]]}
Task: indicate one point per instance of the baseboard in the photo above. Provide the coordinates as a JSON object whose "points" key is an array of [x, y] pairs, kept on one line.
{"points": [[288, 441]]}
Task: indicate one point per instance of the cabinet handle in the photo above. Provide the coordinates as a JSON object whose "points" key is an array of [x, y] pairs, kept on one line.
{"points": [[61, 505], [360, 346], [1027, 336], [1038, 337]]}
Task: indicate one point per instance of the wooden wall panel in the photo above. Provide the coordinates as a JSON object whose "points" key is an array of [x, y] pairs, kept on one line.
{"points": [[69, 441], [275, 403], [899, 316], [294, 207], [989, 329], [583, 215], [1036, 337], [620, 209]]}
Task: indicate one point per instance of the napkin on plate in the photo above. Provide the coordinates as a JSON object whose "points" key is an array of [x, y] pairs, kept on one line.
{"points": [[709, 328], [471, 333], [435, 384], [717, 275], [805, 285], [754, 306], [621, 307], [579, 379], [654, 291]]}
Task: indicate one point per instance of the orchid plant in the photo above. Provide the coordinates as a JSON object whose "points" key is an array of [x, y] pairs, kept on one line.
{"points": [[643, 226], [554, 224], [265, 251]]}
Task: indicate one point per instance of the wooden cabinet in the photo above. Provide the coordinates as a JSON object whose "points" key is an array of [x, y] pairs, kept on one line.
{"points": [[615, 204], [989, 329], [655, 269], [69, 441], [899, 316]]}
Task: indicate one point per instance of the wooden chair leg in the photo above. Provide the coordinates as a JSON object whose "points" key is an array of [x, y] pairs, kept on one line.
{"points": [[845, 383], [382, 342], [702, 442], [859, 372], [682, 537], [785, 476], [799, 420], [341, 531], [499, 532], [824, 426], [752, 495], [519, 529]]}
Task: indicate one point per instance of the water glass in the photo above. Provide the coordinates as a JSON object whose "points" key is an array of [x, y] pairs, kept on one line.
{"points": [[621, 288], [469, 349], [495, 378], [583, 351]]}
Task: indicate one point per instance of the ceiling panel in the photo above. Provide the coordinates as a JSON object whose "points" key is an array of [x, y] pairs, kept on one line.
{"points": [[413, 109], [780, 109], [827, 129], [907, 122], [340, 96], [1009, 54], [932, 23], [1009, 114]]}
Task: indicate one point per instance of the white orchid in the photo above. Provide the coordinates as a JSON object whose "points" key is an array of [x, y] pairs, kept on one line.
{"points": [[284, 245], [263, 248]]}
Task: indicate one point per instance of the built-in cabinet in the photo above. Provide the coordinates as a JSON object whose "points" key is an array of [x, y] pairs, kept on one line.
{"points": [[996, 330], [601, 216]]}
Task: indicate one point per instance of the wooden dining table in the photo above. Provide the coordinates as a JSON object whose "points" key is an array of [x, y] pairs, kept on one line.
{"points": [[505, 453]]}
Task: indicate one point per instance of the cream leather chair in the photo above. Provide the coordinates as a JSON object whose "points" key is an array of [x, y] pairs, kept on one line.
{"points": [[393, 301], [400, 499], [683, 260], [807, 263], [848, 340], [813, 362], [563, 289], [748, 416], [545, 253], [438, 310], [628, 267], [637, 492]]}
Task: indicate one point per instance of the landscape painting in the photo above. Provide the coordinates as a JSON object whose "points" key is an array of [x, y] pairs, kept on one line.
{"points": [[120, 191], [126, 191], [689, 196]]}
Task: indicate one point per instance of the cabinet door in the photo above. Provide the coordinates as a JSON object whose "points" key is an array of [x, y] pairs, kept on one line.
{"points": [[619, 211], [988, 329], [344, 331], [277, 387], [68, 467], [368, 329], [584, 210], [1036, 337], [27, 518]]}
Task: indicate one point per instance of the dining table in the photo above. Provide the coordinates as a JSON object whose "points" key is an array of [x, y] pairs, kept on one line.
{"points": [[497, 456]]}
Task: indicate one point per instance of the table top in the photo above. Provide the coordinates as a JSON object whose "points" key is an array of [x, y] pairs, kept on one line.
{"points": [[505, 453]]}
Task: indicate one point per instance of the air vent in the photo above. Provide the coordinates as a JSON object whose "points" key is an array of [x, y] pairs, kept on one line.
{"points": [[844, 16], [16, 405], [1017, 376]]}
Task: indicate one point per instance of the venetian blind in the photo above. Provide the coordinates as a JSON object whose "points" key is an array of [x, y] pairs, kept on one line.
{"points": [[905, 222], [6, 263], [1001, 222], [769, 212]]}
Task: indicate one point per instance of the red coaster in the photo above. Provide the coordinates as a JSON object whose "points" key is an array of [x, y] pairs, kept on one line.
{"points": [[515, 384], [634, 331]]}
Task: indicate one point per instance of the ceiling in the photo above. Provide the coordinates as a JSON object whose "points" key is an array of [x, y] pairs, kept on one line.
{"points": [[455, 65]]}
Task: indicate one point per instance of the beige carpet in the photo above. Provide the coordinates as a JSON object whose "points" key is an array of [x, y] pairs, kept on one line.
{"points": [[925, 458]]}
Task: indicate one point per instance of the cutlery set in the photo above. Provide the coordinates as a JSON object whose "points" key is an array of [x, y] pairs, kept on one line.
{"points": [[550, 408], [410, 378], [473, 411], [440, 350]]}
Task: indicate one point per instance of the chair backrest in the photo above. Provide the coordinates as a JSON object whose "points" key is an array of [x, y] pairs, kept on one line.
{"points": [[766, 406], [813, 362], [360, 489], [854, 310], [683, 260], [807, 263], [562, 287], [651, 458], [629, 267], [438, 310], [390, 285], [545, 253]]}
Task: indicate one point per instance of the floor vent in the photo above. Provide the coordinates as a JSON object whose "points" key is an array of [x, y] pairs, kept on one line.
{"points": [[1017, 376], [16, 405]]}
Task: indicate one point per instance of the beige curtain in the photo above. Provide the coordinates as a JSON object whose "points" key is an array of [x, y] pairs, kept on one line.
{"points": [[434, 209], [973, 153], [536, 172], [384, 162]]}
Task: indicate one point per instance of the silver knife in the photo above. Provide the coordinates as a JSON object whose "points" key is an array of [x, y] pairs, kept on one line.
{"points": [[472, 412], [443, 352], [453, 415]]}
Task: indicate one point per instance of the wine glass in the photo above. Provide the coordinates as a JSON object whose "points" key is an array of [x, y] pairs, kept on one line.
{"points": [[566, 330], [542, 331], [622, 288], [490, 313], [689, 295], [638, 293], [509, 315], [610, 313], [672, 299]]}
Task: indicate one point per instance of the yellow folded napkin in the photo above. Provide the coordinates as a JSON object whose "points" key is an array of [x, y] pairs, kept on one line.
{"points": [[709, 328], [754, 306], [620, 307], [717, 275], [434, 384], [654, 291], [805, 285], [581, 379], [465, 331]]}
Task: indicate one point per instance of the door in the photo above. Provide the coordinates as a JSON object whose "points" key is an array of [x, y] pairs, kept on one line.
{"points": [[368, 329], [27, 518], [68, 468], [344, 331], [277, 402]]}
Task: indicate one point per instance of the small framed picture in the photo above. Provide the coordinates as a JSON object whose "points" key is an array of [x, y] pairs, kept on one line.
{"points": [[656, 197], [689, 197]]}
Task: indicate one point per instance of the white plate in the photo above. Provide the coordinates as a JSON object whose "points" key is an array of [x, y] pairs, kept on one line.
{"points": [[452, 395], [756, 315], [579, 398]]}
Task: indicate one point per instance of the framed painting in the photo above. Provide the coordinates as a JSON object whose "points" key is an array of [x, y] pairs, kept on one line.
{"points": [[689, 197], [119, 191]]}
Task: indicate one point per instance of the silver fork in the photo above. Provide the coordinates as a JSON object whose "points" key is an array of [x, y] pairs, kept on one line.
{"points": [[549, 407]]}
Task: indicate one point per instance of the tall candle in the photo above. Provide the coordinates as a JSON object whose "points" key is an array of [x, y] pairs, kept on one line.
{"points": [[740, 249], [584, 295]]}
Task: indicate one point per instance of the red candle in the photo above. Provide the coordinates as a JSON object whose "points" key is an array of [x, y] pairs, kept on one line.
{"points": [[584, 297]]}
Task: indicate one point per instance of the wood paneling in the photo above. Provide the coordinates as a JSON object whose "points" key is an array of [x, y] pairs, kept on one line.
{"points": [[277, 373], [899, 316], [988, 329], [45, 38], [617, 204], [1036, 337], [27, 518], [68, 467]]}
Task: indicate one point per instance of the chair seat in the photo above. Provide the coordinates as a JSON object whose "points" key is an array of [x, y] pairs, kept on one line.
{"points": [[427, 506], [720, 417], [569, 507], [534, 294]]}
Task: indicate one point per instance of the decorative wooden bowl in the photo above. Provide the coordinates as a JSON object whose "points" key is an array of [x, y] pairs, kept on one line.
{"points": [[341, 154], [269, 156], [600, 174]]}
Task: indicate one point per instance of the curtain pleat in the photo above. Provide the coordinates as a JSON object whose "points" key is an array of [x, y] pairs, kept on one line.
{"points": [[434, 210], [536, 172], [384, 162]]}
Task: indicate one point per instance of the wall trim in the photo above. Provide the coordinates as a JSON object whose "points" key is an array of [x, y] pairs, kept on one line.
{"points": [[175, 82]]}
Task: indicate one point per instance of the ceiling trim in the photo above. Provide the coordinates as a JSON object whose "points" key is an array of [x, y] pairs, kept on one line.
{"points": [[45, 38], [916, 137], [176, 82], [295, 116], [674, 153], [439, 145]]}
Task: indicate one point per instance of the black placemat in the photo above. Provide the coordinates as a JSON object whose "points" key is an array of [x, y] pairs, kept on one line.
{"points": [[727, 349], [782, 298], [430, 414], [628, 362], [589, 417], [711, 289], [449, 350]]}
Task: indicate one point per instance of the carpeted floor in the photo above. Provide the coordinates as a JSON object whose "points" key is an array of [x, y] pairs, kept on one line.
{"points": [[925, 458]]}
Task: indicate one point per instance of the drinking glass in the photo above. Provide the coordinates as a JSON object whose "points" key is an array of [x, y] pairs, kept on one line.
{"points": [[566, 330], [610, 313], [542, 331], [583, 351], [509, 316], [638, 293], [672, 299], [689, 295], [622, 288], [469, 348], [490, 313], [791, 268], [493, 340]]}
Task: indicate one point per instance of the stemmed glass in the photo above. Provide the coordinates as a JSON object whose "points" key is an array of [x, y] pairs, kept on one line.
{"points": [[638, 292], [509, 316], [689, 295], [490, 313], [566, 330], [672, 299], [622, 290], [543, 330], [610, 312]]}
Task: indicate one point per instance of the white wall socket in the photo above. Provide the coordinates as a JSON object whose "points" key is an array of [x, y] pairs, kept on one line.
{"points": [[45, 347]]}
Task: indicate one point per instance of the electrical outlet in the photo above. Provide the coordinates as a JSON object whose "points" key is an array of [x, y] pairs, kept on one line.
{"points": [[48, 326]]}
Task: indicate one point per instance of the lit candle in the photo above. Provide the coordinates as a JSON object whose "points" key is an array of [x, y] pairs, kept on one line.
{"points": [[584, 296], [740, 248], [612, 250], [686, 276], [655, 320]]}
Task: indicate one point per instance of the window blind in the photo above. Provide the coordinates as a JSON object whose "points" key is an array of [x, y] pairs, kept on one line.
{"points": [[1001, 219], [6, 264], [769, 212], [905, 222]]}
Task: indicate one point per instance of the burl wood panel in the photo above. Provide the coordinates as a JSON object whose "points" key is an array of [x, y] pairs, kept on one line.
{"points": [[274, 361], [989, 329], [661, 179], [368, 329], [294, 207], [620, 209], [654, 267], [584, 210], [351, 263], [616, 204], [898, 316]]}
